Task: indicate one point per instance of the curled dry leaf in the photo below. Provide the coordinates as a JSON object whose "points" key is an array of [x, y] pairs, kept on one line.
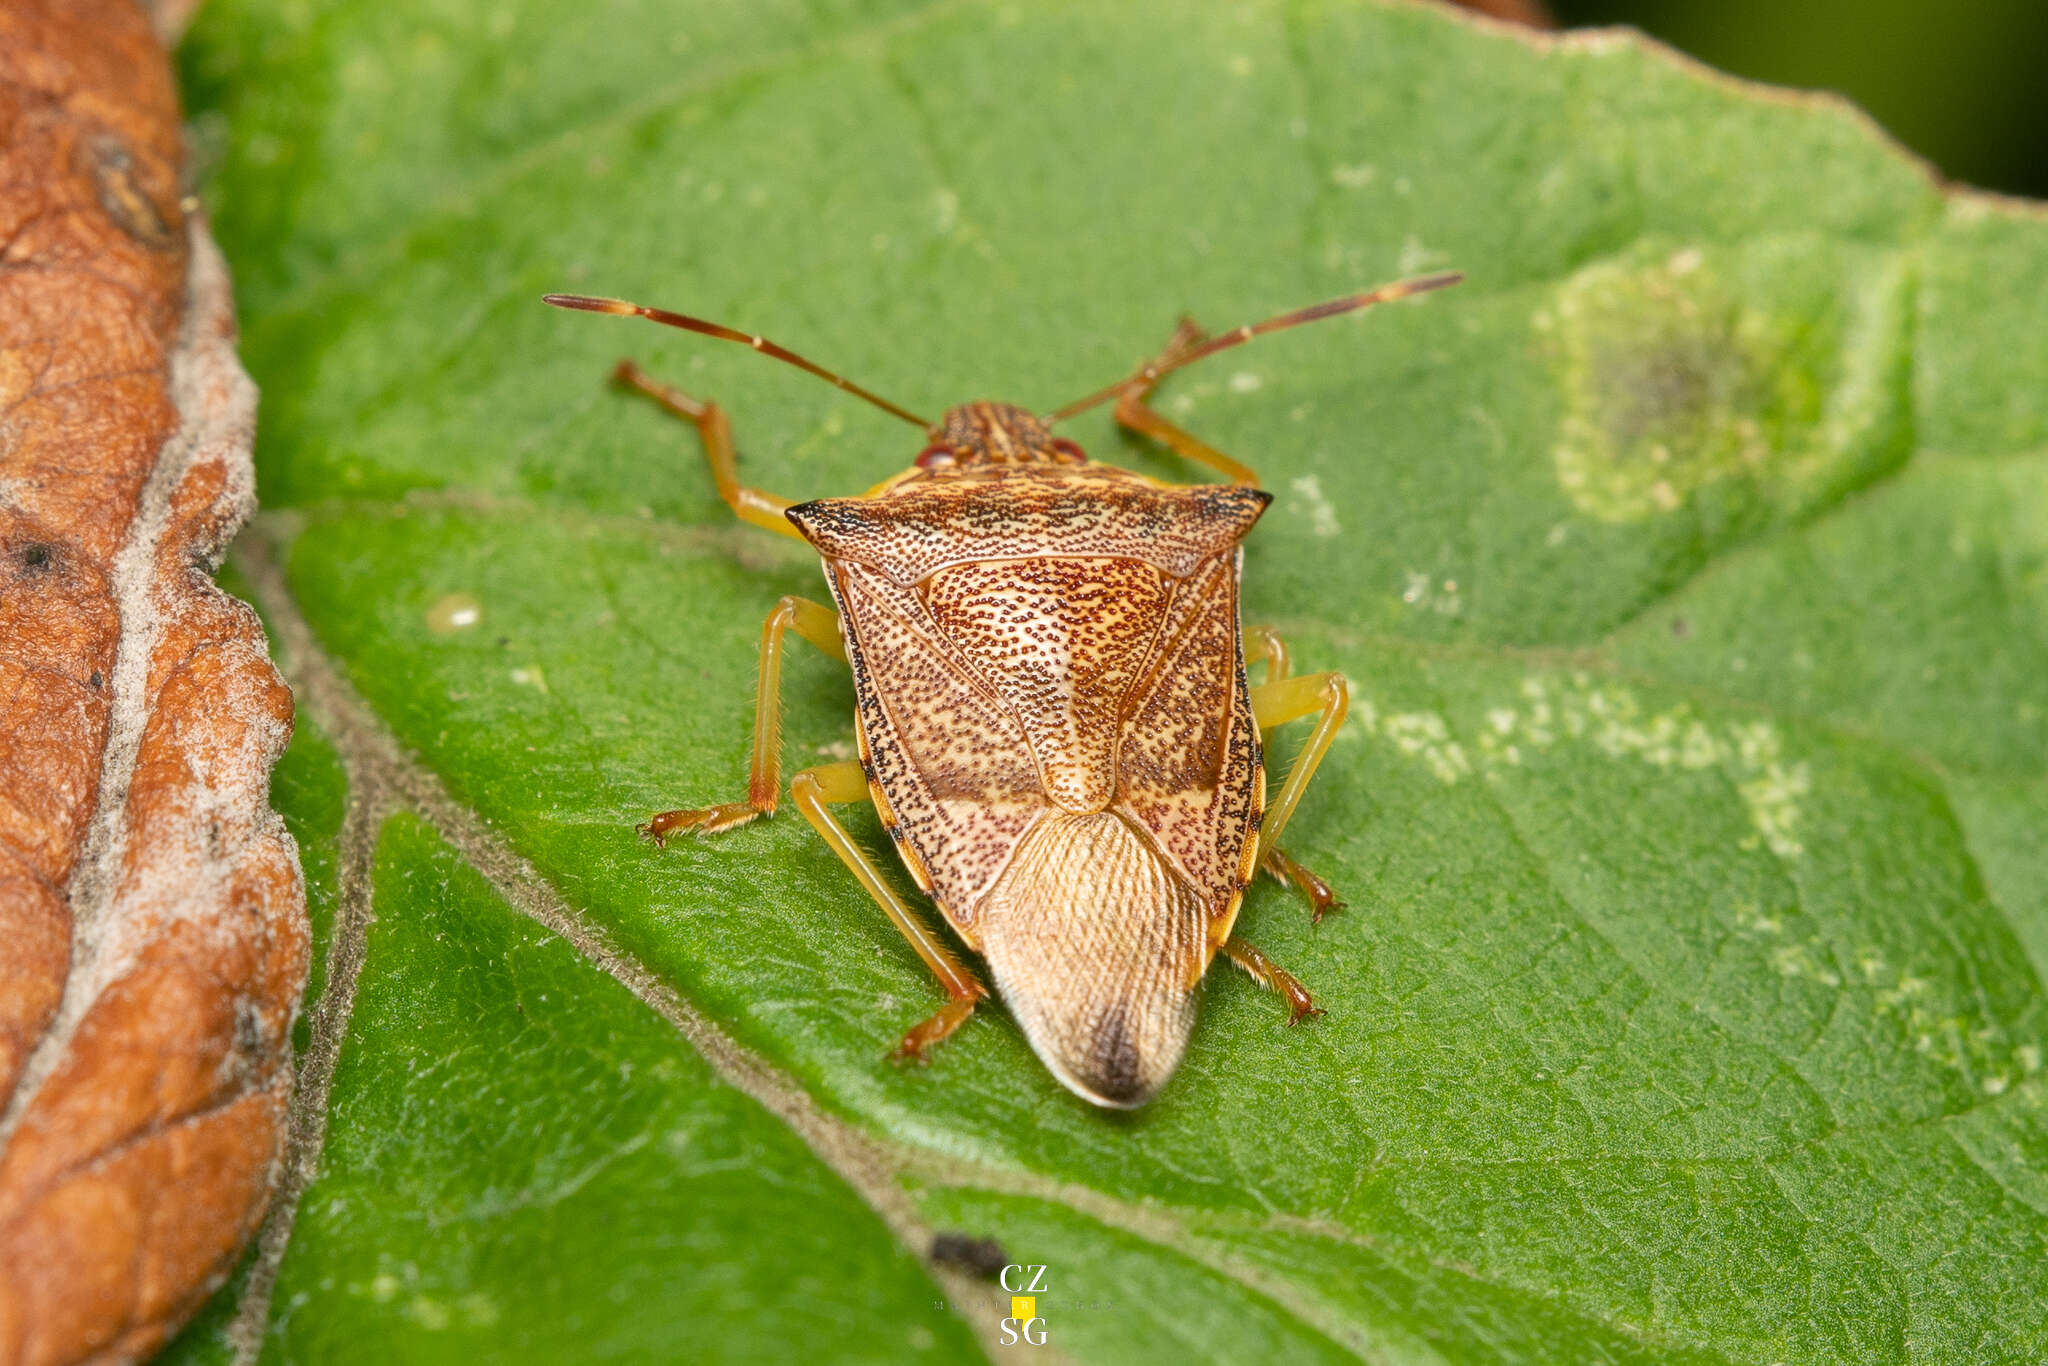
{"points": [[151, 908]]}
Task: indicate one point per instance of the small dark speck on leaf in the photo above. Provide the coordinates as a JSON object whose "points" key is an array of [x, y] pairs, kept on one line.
{"points": [[983, 1257], [1680, 627], [36, 557], [94, 681]]}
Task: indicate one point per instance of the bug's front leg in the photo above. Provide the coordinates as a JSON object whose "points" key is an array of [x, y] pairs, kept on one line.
{"points": [[749, 504], [1133, 411], [820, 626], [1280, 699], [812, 790]]}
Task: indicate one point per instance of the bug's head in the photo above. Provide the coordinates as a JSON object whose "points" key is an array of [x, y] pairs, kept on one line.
{"points": [[982, 434]]}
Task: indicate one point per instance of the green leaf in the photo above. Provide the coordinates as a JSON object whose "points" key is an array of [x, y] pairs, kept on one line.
{"points": [[1689, 563]]}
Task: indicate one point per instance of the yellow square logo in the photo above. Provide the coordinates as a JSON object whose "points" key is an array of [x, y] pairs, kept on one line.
{"points": [[1023, 1308]]}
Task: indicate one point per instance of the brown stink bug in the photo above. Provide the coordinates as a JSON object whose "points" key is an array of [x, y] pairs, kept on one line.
{"points": [[1053, 716]]}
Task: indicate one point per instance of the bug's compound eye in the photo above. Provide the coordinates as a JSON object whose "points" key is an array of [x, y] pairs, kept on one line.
{"points": [[1068, 451], [936, 458]]}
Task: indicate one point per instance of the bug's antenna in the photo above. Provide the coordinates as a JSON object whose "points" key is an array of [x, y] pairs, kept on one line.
{"points": [[1150, 372], [620, 308]]}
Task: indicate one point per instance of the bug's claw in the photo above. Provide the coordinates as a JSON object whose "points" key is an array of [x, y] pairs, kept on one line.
{"points": [[709, 820], [1321, 899], [1297, 1014]]}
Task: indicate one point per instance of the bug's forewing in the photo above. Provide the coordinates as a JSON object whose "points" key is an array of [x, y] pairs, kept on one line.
{"points": [[949, 763], [1188, 760]]}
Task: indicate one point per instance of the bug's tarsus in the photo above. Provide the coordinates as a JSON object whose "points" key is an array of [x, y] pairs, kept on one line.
{"points": [[924, 1034], [1286, 870], [621, 308], [1173, 359], [1270, 975], [709, 820]]}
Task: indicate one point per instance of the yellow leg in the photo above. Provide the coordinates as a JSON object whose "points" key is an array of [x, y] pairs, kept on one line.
{"points": [[1132, 412], [1275, 703], [1263, 644], [749, 503], [820, 626], [812, 790], [1273, 977]]}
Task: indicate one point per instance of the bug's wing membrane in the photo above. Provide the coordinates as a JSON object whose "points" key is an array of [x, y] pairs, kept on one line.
{"points": [[1096, 945], [950, 760], [1188, 765]]}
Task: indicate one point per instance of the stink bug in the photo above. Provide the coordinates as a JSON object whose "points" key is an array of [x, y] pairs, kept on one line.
{"points": [[1054, 721]]}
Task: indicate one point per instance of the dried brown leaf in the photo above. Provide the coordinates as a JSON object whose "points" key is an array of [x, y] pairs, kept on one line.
{"points": [[150, 903]]}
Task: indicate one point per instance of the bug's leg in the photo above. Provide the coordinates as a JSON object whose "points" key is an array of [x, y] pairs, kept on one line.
{"points": [[819, 625], [748, 503], [1275, 703], [1273, 977], [1322, 899], [1262, 644], [1132, 412], [812, 790]]}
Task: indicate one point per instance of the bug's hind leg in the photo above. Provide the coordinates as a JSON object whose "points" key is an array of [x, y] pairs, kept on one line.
{"points": [[1133, 412], [1282, 705], [820, 626], [1282, 866], [1274, 978], [830, 784], [748, 503]]}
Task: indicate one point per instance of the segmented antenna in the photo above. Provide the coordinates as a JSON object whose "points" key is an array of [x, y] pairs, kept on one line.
{"points": [[620, 308], [1150, 373]]}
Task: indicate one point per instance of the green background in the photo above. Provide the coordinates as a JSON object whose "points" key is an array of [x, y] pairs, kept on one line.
{"points": [[1960, 84], [1690, 564]]}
